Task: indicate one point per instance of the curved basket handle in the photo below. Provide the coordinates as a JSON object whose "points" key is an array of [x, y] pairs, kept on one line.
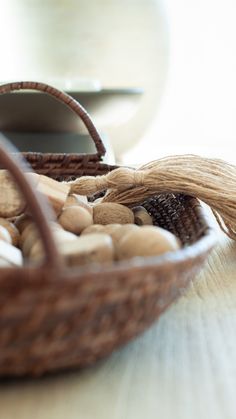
{"points": [[66, 99], [38, 205]]}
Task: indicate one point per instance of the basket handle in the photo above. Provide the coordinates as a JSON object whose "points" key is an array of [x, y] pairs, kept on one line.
{"points": [[66, 99], [40, 208]]}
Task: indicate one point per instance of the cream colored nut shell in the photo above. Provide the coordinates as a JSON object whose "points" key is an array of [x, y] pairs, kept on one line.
{"points": [[111, 213], [78, 200], [146, 241], [124, 229], [94, 228], [97, 201], [55, 191], [61, 236], [10, 253], [28, 238], [37, 251], [4, 263], [116, 231], [12, 203], [141, 216], [112, 230], [22, 221], [73, 199], [4, 235], [75, 219], [92, 248], [11, 200], [55, 226], [13, 231], [117, 234]]}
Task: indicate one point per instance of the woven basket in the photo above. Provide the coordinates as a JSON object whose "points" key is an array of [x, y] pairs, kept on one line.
{"points": [[53, 317]]}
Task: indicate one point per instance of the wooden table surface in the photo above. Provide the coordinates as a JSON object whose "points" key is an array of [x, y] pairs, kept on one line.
{"points": [[183, 367]]}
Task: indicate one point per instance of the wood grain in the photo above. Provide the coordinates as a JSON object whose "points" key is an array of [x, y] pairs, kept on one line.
{"points": [[184, 367]]}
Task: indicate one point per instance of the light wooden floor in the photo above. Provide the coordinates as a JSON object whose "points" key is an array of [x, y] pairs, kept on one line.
{"points": [[184, 367]]}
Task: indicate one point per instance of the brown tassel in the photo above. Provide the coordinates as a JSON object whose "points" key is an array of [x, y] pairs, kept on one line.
{"points": [[213, 181]]}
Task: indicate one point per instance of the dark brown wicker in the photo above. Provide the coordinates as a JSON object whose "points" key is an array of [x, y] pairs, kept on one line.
{"points": [[59, 164], [54, 318]]}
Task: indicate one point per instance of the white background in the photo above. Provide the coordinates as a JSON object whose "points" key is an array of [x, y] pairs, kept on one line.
{"points": [[198, 110]]}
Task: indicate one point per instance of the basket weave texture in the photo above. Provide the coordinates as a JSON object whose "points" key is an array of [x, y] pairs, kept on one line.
{"points": [[53, 317]]}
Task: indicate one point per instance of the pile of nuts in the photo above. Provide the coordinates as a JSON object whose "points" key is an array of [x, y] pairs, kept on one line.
{"points": [[85, 232]]}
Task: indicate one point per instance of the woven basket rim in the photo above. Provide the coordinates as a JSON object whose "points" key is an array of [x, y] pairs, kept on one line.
{"points": [[68, 101]]}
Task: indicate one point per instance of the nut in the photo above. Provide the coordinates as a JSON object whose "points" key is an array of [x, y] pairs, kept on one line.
{"points": [[115, 231], [92, 248], [94, 228], [61, 236], [126, 229], [146, 241], [55, 191], [13, 231], [141, 216], [111, 228], [80, 200], [75, 219], [97, 201], [10, 254], [22, 221], [111, 213], [4, 235], [12, 202], [4, 263], [28, 238]]}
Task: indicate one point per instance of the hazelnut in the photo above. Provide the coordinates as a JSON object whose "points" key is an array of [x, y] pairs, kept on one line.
{"points": [[111, 213], [80, 200], [141, 216], [146, 241], [75, 219]]}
